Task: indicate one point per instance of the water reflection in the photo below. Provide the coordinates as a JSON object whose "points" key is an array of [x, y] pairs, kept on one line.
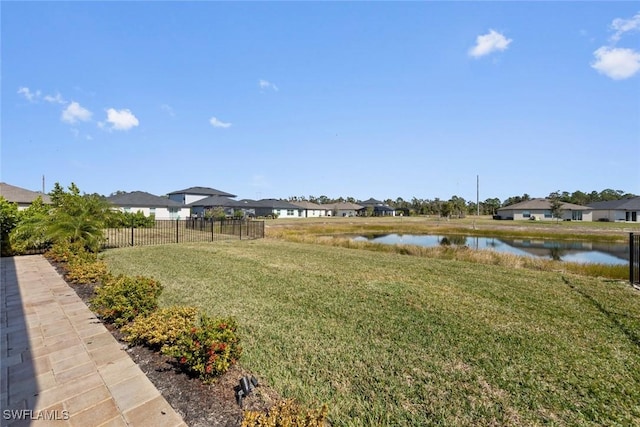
{"points": [[561, 250]]}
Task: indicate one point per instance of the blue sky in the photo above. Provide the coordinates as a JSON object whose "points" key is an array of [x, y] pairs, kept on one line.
{"points": [[361, 99]]}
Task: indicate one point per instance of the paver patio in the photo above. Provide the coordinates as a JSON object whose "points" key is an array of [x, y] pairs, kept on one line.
{"points": [[59, 366]]}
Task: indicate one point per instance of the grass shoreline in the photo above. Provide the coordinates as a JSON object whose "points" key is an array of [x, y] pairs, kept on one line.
{"points": [[390, 339], [471, 226]]}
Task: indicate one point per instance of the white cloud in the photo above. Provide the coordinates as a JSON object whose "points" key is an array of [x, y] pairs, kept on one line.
{"points": [[218, 124], [57, 99], [265, 84], [621, 26], [120, 119], [74, 113], [616, 63], [167, 109], [488, 43], [30, 96]]}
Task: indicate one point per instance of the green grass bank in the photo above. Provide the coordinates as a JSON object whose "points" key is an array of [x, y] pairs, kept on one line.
{"points": [[390, 339]]}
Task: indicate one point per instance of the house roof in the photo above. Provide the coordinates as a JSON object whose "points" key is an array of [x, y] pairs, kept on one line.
{"points": [[345, 206], [203, 191], [310, 205], [542, 204], [143, 200], [21, 195], [273, 204], [371, 202], [632, 204], [216, 201]]}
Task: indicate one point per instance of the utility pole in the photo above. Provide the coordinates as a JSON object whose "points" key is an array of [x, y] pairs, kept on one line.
{"points": [[478, 195], [43, 184]]}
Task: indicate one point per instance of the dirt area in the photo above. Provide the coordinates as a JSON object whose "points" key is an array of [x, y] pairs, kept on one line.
{"points": [[199, 404]]}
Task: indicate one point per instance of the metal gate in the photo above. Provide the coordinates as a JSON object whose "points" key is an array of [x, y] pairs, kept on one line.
{"points": [[634, 258]]}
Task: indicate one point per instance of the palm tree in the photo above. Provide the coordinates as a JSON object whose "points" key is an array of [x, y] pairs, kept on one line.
{"points": [[80, 220]]}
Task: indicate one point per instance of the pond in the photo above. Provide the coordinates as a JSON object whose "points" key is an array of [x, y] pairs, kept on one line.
{"points": [[562, 250]]}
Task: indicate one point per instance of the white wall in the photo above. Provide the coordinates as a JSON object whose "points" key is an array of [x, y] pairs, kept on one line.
{"points": [[160, 213], [611, 215], [315, 213], [289, 213], [540, 215], [345, 212]]}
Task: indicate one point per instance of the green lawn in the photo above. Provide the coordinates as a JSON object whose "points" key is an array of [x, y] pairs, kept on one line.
{"points": [[389, 339]]}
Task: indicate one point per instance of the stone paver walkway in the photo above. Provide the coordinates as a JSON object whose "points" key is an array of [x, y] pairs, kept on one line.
{"points": [[59, 366]]}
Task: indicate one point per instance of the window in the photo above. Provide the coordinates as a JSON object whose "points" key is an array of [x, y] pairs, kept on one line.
{"points": [[127, 209], [526, 214], [289, 212], [548, 214], [576, 215], [152, 211]]}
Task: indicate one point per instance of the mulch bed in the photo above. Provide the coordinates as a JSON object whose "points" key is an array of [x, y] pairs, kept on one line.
{"points": [[199, 404]]}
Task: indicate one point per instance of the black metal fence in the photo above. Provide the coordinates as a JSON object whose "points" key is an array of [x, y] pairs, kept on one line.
{"points": [[634, 258], [183, 231]]}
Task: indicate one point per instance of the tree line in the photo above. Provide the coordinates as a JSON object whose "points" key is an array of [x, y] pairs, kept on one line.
{"points": [[458, 206]]}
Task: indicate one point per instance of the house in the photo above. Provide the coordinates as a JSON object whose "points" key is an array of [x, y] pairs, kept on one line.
{"points": [[21, 196], [193, 194], [200, 207], [373, 207], [149, 204], [274, 207], [311, 210], [343, 209], [617, 210], [540, 209]]}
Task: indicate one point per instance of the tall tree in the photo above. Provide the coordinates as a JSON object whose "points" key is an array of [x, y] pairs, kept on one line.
{"points": [[556, 205]]}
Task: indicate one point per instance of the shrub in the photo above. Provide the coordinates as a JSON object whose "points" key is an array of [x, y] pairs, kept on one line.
{"points": [[63, 251], [83, 272], [119, 219], [208, 349], [286, 413], [161, 328], [8, 220], [120, 299]]}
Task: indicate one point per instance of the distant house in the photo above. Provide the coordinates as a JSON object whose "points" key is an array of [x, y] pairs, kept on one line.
{"points": [[375, 207], [617, 210], [312, 210], [149, 204], [200, 207], [540, 209], [343, 209], [193, 194], [21, 196], [274, 207]]}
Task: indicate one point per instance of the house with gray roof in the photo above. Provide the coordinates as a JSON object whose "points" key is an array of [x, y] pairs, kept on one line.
{"points": [[274, 208], [21, 196], [373, 207], [311, 210], [193, 194], [540, 210], [149, 204], [200, 207], [617, 210], [343, 209]]}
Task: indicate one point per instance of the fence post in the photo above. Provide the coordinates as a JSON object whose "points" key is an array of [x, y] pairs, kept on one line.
{"points": [[177, 230], [132, 231], [212, 221], [240, 230], [631, 258]]}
